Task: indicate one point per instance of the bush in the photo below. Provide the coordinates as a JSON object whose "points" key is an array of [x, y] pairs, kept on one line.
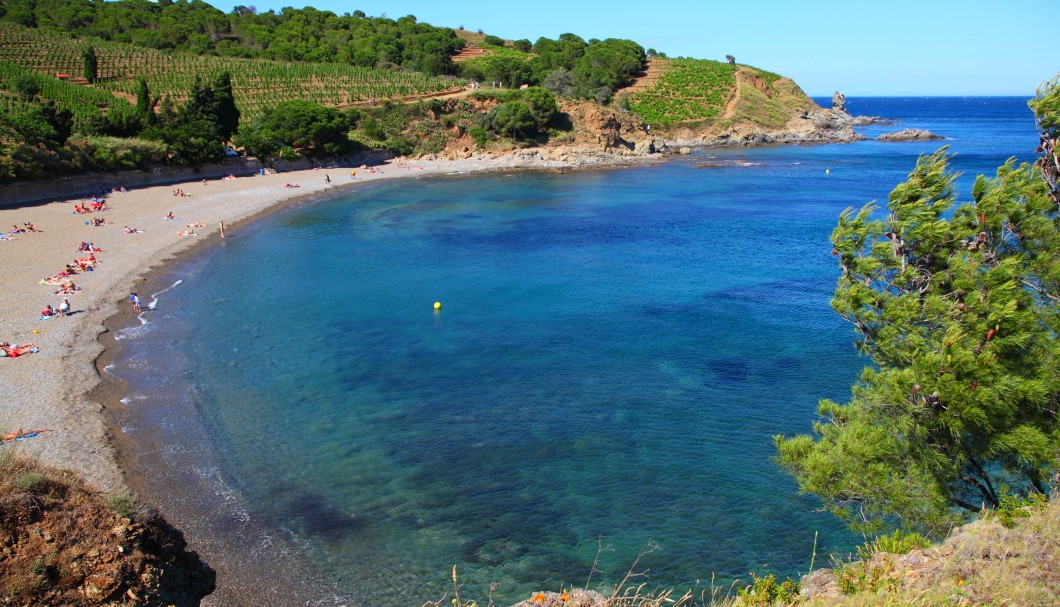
{"points": [[765, 592], [1014, 507]]}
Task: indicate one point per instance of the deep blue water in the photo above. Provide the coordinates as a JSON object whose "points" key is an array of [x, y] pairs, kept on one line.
{"points": [[615, 351]]}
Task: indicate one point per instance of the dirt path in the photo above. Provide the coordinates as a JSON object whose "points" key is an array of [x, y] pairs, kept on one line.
{"points": [[734, 97]]}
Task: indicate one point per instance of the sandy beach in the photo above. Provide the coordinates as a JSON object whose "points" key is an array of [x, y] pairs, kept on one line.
{"points": [[57, 388]]}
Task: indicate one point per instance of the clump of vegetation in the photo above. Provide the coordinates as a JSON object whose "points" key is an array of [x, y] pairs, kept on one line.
{"points": [[1011, 507], [568, 66], [766, 591]]}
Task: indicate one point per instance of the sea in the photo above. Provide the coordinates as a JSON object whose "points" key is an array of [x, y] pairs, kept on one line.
{"points": [[595, 399]]}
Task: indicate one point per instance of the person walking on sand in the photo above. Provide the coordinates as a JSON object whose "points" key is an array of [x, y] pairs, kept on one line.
{"points": [[327, 179], [135, 300]]}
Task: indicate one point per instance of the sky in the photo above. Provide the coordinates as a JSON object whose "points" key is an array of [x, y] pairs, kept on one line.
{"points": [[893, 47]]}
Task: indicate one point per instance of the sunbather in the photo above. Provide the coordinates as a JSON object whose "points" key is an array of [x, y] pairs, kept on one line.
{"points": [[14, 351]]}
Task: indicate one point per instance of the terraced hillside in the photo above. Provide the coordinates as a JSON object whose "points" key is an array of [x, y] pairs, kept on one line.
{"points": [[258, 84], [675, 91]]}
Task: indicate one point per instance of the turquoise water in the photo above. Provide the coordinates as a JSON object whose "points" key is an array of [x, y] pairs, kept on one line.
{"points": [[614, 353]]}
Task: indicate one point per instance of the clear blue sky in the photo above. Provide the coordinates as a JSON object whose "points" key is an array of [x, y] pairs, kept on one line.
{"points": [[897, 47]]}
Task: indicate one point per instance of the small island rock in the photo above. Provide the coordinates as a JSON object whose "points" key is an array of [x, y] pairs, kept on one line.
{"points": [[839, 102], [909, 135]]}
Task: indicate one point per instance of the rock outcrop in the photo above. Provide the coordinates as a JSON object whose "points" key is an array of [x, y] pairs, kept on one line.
{"points": [[839, 102], [64, 544], [909, 135]]}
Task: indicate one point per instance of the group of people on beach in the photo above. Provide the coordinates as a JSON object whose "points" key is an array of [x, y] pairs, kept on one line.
{"points": [[26, 228]]}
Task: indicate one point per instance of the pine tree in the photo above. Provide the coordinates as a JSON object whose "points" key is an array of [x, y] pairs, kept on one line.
{"points": [[145, 105], [956, 304], [225, 110], [91, 61]]}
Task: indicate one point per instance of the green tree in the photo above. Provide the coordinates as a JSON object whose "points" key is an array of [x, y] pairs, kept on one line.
{"points": [[24, 84], [91, 62], [312, 129], [956, 304], [145, 104], [512, 118], [542, 105], [225, 110]]}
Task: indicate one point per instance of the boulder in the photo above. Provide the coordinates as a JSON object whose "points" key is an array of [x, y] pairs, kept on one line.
{"points": [[820, 583]]}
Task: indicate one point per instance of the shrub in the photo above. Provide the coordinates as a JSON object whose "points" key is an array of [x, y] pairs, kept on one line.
{"points": [[765, 591]]}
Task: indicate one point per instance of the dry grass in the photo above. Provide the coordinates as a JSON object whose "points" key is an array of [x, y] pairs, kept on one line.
{"points": [[981, 564]]}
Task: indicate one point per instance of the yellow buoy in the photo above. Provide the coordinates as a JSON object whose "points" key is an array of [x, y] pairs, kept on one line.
{"points": [[437, 305]]}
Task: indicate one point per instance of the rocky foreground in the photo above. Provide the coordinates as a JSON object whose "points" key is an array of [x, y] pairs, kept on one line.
{"points": [[66, 544]]}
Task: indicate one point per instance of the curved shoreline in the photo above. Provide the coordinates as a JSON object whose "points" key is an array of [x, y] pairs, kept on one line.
{"points": [[64, 387]]}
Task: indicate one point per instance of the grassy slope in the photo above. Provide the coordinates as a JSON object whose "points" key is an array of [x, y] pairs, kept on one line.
{"points": [[704, 91], [984, 563]]}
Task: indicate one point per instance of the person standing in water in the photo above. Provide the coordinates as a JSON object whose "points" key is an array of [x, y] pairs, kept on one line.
{"points": [[135, 300]]}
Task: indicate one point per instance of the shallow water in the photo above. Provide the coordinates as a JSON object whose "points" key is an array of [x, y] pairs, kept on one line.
{"points": [[614, 353]]}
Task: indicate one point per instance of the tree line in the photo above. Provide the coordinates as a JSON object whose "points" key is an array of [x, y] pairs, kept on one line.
{"points": [[195, 27]]}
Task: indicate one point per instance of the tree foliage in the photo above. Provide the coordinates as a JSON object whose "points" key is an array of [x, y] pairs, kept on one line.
{"points": [[312, 129], [956, 304], [91, 61], [292, 34], [569, 66]]}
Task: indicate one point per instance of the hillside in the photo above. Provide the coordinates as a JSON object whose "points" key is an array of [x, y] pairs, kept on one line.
{"points": [[121, 85], [1009, 559], [258, 84]]}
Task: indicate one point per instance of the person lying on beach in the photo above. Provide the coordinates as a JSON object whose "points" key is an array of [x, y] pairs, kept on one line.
{"points": [[58, 279], [87, 262], [80, 209], [129, 230], [68, 288], [18, 434], [196, 225], [17, 230], [98, 221], [30, 227], [186, 233], [169, 215], [291, 185], [15, 351], [100, 205]]}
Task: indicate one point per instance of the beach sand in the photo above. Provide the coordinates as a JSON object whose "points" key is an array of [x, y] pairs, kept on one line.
{"points": [[59, 387]]}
